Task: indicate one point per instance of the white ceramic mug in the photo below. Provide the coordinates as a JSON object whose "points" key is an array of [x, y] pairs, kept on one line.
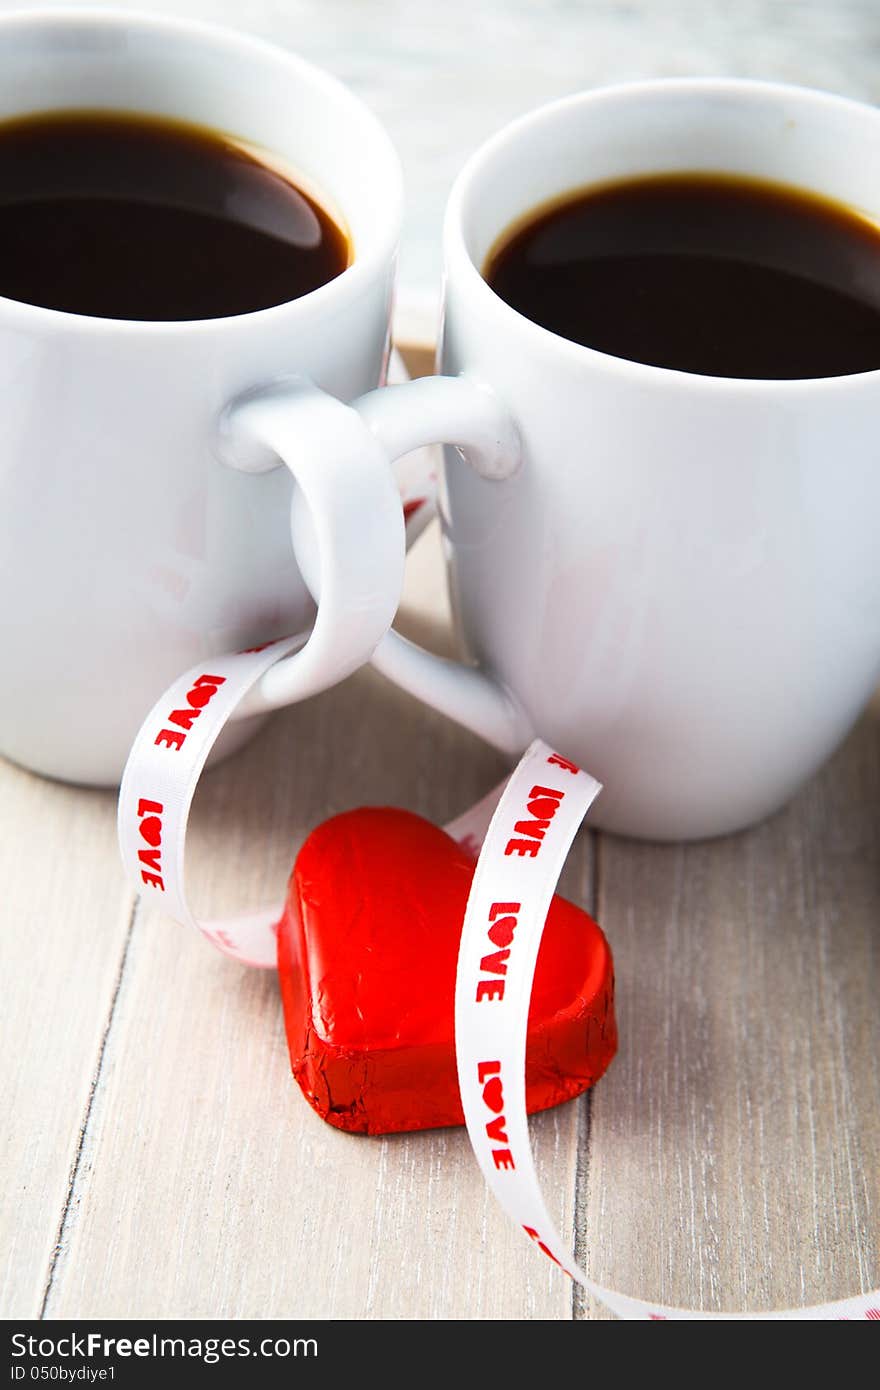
{"points": [[133, 543], [680, 587]]}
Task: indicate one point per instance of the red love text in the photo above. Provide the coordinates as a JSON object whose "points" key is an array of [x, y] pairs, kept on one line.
{"points": [[533, 1235], [502, 925], [488, 1075], [150, 825], [542, 805], [557, 760], [203, 690]]}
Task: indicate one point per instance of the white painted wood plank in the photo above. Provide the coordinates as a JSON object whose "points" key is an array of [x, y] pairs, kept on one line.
{"points": [[733, 1152], [63, 926], [747, 975], [207, 1186]]}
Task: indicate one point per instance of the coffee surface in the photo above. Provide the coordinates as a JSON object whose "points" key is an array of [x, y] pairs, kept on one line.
{"points": [[714, 274], [130, 217]]}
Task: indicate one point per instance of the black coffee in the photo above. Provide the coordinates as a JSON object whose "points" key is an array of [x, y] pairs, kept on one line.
{"points": [[128, 217], [704, 273]]}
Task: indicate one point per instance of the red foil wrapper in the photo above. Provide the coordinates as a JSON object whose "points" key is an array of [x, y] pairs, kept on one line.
{"points": [[367, 952]]}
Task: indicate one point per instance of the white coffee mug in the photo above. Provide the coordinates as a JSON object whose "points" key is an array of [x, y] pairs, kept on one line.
{"points": [[133, 543], [680, 587]]}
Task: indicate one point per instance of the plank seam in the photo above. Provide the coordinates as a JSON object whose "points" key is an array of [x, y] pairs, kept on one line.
{"points": [[67, 1206], [579, 1305]]}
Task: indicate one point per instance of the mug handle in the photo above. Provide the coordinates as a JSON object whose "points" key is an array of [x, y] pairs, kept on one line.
{"points": [[347, 529], [458, 411]]}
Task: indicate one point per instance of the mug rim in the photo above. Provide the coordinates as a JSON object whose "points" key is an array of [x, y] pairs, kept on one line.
{"points": [[459, 264], [362, 269]]}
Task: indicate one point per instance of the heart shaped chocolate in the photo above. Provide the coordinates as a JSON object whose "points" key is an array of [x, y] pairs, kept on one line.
{"points": [[367, 952]]}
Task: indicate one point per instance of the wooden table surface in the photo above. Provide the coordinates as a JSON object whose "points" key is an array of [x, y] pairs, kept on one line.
{"points": [[158, 1160]]}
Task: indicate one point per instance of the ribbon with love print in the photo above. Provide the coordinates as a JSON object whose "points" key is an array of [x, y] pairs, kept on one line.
{"points": [[521, 832], [518, 876], [175, 741]]}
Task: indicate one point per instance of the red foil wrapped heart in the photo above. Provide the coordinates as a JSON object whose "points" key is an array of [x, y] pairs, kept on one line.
{"points": [[367, 952]]}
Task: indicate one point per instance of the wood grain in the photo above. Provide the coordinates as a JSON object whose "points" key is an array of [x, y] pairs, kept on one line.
{"points": [[65, 920], [208, 1188], [733, 1147], [729, 1158]]}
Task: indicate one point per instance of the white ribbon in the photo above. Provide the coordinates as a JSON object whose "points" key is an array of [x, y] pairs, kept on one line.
{"points": [[490, 1028], [155, 797]]}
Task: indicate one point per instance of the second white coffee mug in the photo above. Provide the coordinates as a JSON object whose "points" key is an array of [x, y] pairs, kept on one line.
{"points": [[680, 586]]}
